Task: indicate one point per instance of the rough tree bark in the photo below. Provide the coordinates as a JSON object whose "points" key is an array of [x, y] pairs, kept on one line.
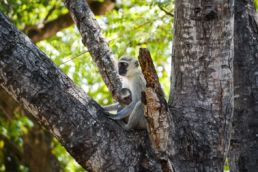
{"points": [[77, 121], [48, 29], [201, 100], [243, 155], [37, 141]]}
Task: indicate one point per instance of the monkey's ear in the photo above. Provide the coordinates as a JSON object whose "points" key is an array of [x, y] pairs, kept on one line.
{"points": [[136, 64]]}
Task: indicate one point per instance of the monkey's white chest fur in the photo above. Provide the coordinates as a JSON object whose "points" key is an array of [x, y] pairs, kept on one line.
{"points": [[136, 84]]}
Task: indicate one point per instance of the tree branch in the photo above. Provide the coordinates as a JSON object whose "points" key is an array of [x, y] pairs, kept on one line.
{"points": [[41, 32], [66, 111], [48, 29], [244, 136], [96, 44]]}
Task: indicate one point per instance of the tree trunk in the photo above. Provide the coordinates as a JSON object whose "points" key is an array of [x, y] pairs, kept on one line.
{"points": [[243, 155], [38, 142], [201, 100]]}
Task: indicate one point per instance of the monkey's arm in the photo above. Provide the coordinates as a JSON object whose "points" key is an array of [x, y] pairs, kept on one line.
{"points": [[112, 107]]}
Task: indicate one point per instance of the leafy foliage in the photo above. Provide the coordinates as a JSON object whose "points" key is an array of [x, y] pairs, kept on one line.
{"points": [[30, 12], [11, 132], [256, 4]]}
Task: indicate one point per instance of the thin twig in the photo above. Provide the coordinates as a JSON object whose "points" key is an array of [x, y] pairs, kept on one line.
{"points": [[84, 52], [165, 11]]}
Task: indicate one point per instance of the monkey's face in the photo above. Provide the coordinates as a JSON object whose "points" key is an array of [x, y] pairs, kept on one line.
{"points": [[122, 68], [128, 67]]}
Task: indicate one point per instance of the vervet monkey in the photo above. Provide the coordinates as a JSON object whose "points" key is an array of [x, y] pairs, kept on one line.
{"points": [[133, 84]]}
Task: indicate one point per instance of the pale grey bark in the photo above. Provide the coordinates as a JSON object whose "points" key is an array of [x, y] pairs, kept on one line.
{"points": [[243, 155], [77, 121], [202, 101], [96, 44]]}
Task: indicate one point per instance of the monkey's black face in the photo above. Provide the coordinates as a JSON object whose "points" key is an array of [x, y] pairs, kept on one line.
{"points": [[122, 68]]}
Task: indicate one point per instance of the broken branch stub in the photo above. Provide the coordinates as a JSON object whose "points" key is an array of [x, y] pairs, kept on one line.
{"points": [[155, 107]]}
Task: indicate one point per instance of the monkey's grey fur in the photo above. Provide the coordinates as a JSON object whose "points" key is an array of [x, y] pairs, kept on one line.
{"points": [[132, 79]]}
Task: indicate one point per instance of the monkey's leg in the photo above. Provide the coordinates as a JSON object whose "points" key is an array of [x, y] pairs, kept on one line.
{"points": [[136, 117]]}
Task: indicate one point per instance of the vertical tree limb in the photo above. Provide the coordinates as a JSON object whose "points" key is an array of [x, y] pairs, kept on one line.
{"points": [[243, 154], [96, 44]]}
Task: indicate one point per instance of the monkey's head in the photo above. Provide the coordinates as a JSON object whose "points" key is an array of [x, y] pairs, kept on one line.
{"points": [[127, 66]]}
